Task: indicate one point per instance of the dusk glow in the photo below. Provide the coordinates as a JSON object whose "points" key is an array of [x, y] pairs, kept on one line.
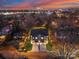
{"points": [[27, 4]]}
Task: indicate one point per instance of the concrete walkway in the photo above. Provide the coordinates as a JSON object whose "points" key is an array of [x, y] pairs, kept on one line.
{"points": [[39, 47]]}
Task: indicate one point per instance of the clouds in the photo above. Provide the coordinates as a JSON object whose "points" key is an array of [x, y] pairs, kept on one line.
{"points": [[72, 0], [13, 2], [71, 4], [60, 4], [10, 2], [24, 4]]}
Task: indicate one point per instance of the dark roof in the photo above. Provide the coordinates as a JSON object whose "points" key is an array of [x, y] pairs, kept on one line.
{"points": [[42, 32]]}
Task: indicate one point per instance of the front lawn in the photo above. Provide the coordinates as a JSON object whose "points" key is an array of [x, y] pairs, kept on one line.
{"points": [[49, 46]]}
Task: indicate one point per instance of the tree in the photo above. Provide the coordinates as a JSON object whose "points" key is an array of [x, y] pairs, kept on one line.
{"points": [[65, 48]]}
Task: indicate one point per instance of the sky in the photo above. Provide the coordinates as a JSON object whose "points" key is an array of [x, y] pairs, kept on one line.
{"points": [[27, 4]]}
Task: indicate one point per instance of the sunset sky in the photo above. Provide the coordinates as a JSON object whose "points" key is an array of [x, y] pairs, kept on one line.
{"points": [[27, 4]]}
